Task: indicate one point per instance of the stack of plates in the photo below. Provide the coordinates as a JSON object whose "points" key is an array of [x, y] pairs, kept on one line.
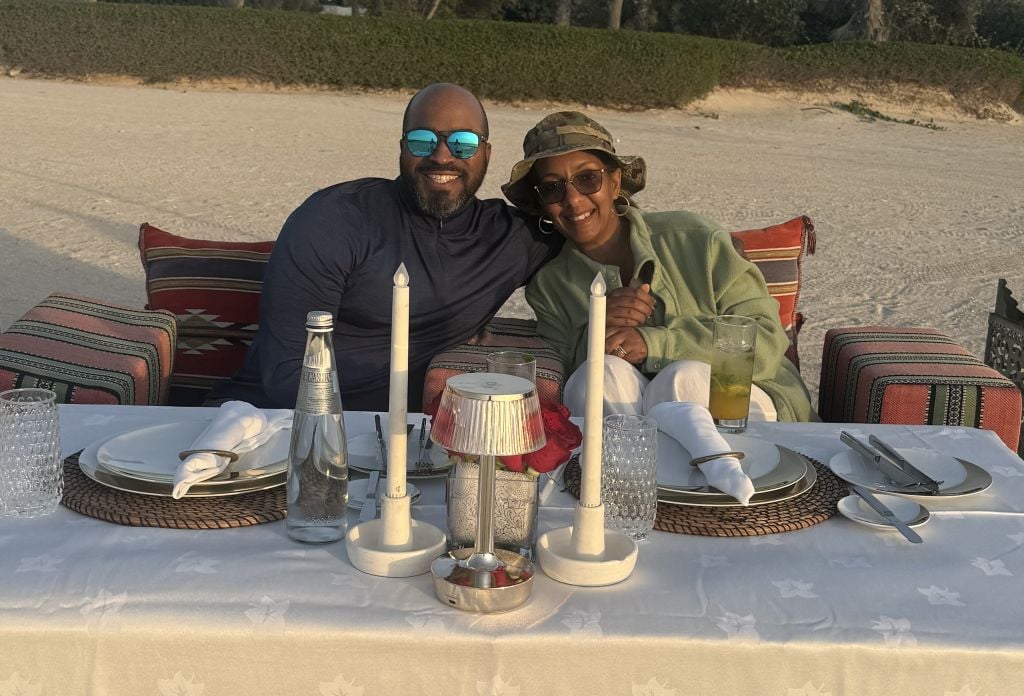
{"points": [[776, 472], [144, 461]]}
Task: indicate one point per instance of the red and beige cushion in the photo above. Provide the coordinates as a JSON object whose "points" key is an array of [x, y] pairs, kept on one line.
{"points": [[213, 288], [915, 376], [499, 334], [778, 252], [89, 351]]}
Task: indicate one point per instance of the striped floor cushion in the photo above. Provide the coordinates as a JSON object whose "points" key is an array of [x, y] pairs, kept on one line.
{"points": [[913, 376], [213, 288], [89, 351], [499, 334], [778, 253]]}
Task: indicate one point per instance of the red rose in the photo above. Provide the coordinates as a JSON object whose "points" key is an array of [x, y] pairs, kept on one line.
{"points": [[557, 425], [562, 436], [548, 458]]}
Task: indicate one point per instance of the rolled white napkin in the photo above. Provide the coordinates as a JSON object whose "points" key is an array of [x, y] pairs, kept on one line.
{"points": [[694, 428], [238, 427]]}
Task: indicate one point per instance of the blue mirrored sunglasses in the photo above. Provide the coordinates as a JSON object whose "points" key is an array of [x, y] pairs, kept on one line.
{"points": [[422, 142]]}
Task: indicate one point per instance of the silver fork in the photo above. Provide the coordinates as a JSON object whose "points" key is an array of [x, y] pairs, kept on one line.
{"points": [[423, 463]]}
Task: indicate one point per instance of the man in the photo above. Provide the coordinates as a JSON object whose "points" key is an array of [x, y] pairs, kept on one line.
{"points": [[340, 249]]}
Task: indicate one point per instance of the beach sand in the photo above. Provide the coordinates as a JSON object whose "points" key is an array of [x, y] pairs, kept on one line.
{"points": [[914, 226]]}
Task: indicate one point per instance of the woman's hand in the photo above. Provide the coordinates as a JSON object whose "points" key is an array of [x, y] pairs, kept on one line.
{"points": [[629, 306], [626, 343]]}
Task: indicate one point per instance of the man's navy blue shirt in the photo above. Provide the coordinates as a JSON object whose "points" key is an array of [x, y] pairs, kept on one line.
{"points": [[339, 251]]}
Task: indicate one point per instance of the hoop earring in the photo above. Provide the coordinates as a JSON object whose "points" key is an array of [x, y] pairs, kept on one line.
{"points": [[625, 205], [549, 229]]}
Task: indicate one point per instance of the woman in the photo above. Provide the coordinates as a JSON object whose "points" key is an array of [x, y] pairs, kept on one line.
{"points": [[669, 274]]}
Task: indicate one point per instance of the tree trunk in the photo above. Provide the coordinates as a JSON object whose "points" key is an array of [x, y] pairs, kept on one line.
{"points": [[642, 14], [433, 8], [563, 13], [614, 14], [868, 23], [964, 20]]}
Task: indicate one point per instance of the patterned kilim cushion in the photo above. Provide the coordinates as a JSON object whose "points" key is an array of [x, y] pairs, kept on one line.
{"points": [[214, 290], [913, 376], [89, 351], [499, 334], [778, 252]]}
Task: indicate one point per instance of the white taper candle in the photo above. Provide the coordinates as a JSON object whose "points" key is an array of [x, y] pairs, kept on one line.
{"points": [[593, 413], [398, 398]]}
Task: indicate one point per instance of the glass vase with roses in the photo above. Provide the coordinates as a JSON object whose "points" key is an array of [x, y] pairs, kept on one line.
{"points": [[516, 485]]}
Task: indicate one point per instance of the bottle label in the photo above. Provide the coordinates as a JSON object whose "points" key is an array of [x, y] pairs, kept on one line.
{"points": [[318, 391]]}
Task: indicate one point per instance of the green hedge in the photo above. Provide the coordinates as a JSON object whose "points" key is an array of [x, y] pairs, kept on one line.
{"points": [[505, 61]]}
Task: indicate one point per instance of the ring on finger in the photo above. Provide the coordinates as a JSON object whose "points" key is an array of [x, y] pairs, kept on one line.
{"points": [[620, 351]]}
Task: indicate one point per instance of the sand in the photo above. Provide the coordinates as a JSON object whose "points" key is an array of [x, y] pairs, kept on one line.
{"points": [[914, 226]]}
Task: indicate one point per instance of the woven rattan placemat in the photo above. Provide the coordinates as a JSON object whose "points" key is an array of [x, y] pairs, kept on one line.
{"points": [[85, 496], [816, 505]]}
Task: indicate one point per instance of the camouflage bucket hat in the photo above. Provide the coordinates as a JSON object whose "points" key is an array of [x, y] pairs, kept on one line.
{"points": [[557, 134]]}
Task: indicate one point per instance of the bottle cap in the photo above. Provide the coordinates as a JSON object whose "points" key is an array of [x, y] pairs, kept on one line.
{"points": [[318, 319]]}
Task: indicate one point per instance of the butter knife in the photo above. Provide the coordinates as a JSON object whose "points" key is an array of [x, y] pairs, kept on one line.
{"points": [[369, 509], [890, 517], [423, 441], [901, 461], [891, 471], [380, 443]]}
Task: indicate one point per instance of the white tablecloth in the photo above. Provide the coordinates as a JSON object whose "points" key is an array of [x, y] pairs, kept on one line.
{"points": [[88, 607]]}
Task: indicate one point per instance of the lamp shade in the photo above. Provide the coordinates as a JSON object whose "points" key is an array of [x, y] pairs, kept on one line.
{"points": [[489, 414]]}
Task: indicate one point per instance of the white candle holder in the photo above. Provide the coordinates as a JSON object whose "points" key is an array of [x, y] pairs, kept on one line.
{"points": [[586, 553], [396, 546]]}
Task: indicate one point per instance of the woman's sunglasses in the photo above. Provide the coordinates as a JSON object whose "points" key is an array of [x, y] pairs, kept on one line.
{"points": [[586, 182], [422, 142]]}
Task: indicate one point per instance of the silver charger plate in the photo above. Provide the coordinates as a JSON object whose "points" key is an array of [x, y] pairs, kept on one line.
{"points": [[959, 477], [91, 467], [763, 462], [803, 484]]}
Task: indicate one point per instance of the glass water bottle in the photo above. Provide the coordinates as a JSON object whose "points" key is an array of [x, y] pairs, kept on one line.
{"points": [[318, 455]]}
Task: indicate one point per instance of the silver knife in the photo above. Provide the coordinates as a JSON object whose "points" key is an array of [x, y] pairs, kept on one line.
{"points": [[895, 474], [369, 509], [380, 443], [423, 441], [901, 461], [879, 507]]}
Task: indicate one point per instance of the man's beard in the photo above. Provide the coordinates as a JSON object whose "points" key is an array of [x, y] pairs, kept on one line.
{"points": [[441, 205]]}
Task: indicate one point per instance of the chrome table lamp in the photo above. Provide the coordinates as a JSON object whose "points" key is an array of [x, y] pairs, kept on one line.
{"points": [[489, 415]]}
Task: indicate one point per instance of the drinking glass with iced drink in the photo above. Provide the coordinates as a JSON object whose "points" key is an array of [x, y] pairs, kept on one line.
{"points": [[732, 370]]}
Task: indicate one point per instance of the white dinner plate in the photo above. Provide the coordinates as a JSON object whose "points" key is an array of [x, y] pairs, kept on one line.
{"points": [[958, 476], [761, 462], [854, 508], [92, 468], [151, 454], [357, 492], [364, 454], [718, 499]]}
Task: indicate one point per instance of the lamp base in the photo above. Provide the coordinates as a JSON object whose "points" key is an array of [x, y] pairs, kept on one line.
{"points": [[368, 554], [560, 561], [483, 587]]}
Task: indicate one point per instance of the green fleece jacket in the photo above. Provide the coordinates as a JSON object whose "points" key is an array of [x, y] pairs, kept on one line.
{"points": [[697, 275]]}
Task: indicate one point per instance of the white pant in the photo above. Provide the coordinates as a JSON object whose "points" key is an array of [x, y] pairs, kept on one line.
{"points": [[627, 391]]}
